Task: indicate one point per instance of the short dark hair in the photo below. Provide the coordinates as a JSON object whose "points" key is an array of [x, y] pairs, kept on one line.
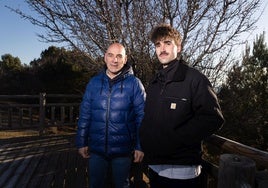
{"points": [[165, 31]]}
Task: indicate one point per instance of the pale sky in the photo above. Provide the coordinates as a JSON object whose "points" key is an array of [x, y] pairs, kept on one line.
{"points": [[262, 24], [18, 37]]}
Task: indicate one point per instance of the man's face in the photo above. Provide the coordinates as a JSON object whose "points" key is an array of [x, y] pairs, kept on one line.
{"points": [[115, 58], [166, 50]]}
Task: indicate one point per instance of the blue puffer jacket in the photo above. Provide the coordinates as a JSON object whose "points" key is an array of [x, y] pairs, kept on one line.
{"points": [[111, 113]]}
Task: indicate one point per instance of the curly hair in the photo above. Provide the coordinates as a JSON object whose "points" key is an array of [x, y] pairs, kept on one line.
{"points": [[165, 31]]}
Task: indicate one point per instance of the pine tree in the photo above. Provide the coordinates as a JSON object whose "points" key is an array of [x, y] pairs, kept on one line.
{"points": [[244, 98]]}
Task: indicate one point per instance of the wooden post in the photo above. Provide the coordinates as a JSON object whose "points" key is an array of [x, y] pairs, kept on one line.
{"points": [[62, 114], [42, 103], [71, 114], [31, 116], [236, 171], [21, 117], [10, 113], [53, 111]]}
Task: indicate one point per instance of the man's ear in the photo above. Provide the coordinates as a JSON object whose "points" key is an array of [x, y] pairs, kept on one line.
{"points": [[125, 59], [179, 48], [104, 57]]}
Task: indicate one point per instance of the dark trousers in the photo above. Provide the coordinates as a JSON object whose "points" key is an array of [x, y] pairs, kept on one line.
{"points": [[157, 181]]}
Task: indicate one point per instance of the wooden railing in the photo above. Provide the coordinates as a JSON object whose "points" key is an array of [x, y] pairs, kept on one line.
{"points": [[38, 111], [224, 146], [230, 146], [46, 110]]}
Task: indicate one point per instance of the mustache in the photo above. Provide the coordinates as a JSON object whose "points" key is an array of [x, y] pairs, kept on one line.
{"points": [[164, 53]]}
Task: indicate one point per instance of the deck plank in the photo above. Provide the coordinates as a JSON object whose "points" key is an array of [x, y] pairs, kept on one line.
{"points": [[42, 161], [33, 162], [59, 179]]}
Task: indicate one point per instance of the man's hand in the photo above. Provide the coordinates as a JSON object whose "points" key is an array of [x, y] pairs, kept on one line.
{"points": [[84, 152], [138, 156]]}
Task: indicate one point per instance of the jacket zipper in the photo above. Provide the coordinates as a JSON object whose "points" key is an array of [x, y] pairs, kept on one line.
{"points": [[107, 120], [163, 88]]}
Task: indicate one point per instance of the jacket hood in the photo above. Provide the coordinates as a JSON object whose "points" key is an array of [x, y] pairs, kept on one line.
{"points": [[125, 71]]}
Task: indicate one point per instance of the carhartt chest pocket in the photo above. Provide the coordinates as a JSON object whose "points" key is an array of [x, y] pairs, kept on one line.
{"points": [[175, 107]]}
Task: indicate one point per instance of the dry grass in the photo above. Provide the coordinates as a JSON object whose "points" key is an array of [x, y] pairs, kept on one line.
{"points": [[23, 133], [18, 133]]}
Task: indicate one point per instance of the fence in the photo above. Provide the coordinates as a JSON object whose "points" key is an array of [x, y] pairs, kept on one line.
{"points": [[38, 111]]}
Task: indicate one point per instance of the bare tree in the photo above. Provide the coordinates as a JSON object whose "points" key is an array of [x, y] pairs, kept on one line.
{"points": [[210, 28]]}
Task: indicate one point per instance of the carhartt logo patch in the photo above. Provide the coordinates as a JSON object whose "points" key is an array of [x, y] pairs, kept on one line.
{"points": [[173, 106]]}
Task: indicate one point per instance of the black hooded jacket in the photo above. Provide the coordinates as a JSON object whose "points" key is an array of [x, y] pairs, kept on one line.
{"points": [[181, 110]]}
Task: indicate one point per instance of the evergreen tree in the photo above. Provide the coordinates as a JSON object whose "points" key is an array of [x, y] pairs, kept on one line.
{"points": [[62, 71], [244, 98], [56, 71], [10, 71]]}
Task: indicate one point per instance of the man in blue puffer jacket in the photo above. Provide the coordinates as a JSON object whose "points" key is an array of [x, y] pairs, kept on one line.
{"points": [[110, 116]]}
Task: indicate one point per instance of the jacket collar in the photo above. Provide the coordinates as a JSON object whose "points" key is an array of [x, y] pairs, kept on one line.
{"points": [[178, 74], [181, 71]]}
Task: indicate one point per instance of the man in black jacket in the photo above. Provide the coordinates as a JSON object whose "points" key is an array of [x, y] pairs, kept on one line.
{"points": [[181, 110]]}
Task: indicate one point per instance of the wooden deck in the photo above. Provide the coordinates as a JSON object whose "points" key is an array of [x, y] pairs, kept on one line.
{"points": [[50, 161], [47, 161]]}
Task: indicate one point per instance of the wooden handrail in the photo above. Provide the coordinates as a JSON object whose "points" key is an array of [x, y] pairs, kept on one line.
{"points": [[47, 111], [227, 145]]}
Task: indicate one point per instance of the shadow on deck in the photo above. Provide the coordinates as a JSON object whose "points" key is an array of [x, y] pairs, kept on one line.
{"points": [[47, 161]]}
